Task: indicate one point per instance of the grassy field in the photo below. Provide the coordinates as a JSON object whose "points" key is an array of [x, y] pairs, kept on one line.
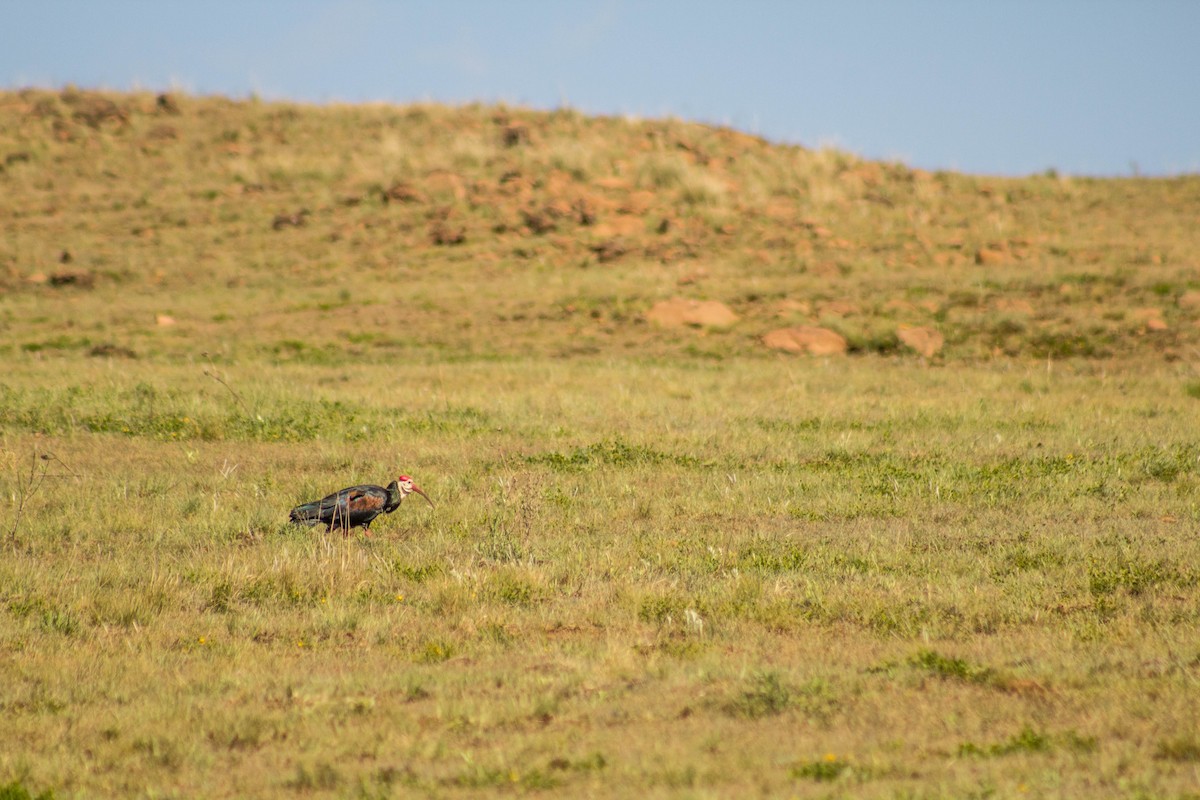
{"points": [[665, 561]]}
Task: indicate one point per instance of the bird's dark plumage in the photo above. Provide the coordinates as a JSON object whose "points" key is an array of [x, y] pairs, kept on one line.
{"points": [[356, 506]]}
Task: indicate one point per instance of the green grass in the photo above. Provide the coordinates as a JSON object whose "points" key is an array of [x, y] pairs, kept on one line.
{"points": [[609, 558], [663, 562]]}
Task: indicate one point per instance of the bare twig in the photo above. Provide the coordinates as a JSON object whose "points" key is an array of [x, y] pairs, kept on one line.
{"points": [[212, 373], [54, 457], [28, 485]]}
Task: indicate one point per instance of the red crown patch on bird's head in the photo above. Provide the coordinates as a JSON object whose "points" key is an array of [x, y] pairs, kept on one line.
{"points": [[404, 479]]}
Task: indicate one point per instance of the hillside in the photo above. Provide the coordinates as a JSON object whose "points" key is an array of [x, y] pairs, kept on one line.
{"points": [[371, 232]]}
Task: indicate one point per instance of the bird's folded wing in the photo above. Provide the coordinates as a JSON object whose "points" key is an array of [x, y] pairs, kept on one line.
{"points": [[364, 502]]}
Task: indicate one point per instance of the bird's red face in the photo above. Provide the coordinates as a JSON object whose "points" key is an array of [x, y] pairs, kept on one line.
{"points": [[407, 487]]}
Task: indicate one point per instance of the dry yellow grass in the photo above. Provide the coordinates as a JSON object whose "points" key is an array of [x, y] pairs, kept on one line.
{"points": [[665, 561]]}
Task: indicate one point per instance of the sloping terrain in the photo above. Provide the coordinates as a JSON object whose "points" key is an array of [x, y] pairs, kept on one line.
{"points": [[348, 233]]}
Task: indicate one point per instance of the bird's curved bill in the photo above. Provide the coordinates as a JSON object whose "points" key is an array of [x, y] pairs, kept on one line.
{"points": [[417, 489]]}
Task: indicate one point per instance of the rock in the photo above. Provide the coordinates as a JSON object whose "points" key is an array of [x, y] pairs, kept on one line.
{"points": [[637, 203], [539, 220], [806, 339], [926, 341], [1151, 318], [988, 256], [613, 182], [443, 233], [678, 312], [1190, 299], [162, 320], [619, 226]]}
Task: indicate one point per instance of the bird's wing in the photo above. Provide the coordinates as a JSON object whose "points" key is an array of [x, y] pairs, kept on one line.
{"points": [[357, 498], [333, 501], [358, 502]]}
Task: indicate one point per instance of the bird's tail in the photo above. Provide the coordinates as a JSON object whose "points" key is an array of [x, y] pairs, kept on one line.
{"points": [[307, 514]]}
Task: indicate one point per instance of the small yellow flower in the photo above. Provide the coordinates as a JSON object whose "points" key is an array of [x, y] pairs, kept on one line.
{"points": [[300, 643], [399, 598], [201, 640], [830, 757], [324, 599]]}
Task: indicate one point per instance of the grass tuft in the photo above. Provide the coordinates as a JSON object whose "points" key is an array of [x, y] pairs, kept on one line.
{"points": [[1183, 749], [1026, 741], [952, 668]]}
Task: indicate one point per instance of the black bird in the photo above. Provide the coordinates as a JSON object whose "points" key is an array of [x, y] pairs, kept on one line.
{"points": [[356, 505]]}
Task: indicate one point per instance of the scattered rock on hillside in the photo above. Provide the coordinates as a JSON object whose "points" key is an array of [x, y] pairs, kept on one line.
{"points": [[164, 320], [1150, 318], [610, 249], [1190, 299], [614, 183], [619, 226], [638, 202], [442, 233], [678, 312], [806, 339], [540, 220], [926, 341], [990, 255]]}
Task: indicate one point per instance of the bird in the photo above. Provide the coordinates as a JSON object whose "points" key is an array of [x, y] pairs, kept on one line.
{"points": [[356, 506]]}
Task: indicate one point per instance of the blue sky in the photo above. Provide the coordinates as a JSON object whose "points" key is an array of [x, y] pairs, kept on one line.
{"points": [[1093, 87]]}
